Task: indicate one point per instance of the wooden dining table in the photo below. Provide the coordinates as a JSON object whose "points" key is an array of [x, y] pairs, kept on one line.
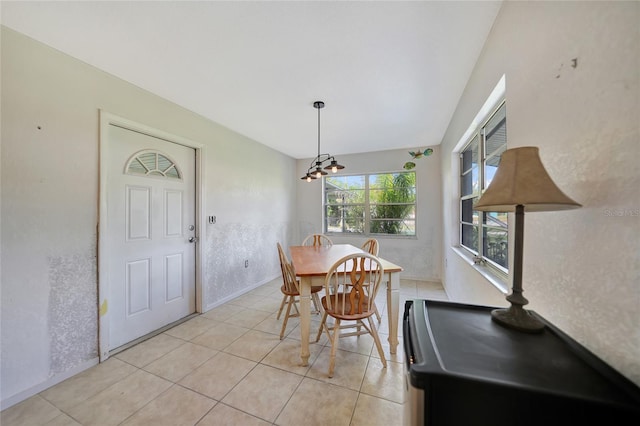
{"points": [[312, 263]]}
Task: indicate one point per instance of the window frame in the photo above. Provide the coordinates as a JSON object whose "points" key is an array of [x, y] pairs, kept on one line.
{"points": [[367, 205], [479, 135]]}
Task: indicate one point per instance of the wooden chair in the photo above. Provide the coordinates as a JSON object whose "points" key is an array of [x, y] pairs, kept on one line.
{"points": [[317, 240], [371, 246], [351, 287], [291, 289]]}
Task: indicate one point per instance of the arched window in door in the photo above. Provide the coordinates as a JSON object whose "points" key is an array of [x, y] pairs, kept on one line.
{"points": [[152, 163]]}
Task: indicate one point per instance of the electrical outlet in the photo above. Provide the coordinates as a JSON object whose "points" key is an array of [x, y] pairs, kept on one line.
{"points": [[212, 220]]}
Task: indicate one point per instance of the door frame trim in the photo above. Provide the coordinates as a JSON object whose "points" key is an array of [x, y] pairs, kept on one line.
{"points": [[107, 119]]}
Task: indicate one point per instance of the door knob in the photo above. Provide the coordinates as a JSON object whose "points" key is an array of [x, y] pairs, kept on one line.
{"points": [[193, 239]]}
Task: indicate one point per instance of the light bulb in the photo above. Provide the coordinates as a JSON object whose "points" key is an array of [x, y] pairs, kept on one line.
{"points": [[334, 169], [308, 178]]}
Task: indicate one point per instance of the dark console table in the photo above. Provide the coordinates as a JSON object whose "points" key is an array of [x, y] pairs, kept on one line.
{"points": [[464, 369]]}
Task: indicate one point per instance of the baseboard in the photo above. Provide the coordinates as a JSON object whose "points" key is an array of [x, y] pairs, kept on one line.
{"points": [[21, 396], [404, 277], [239, 293]]}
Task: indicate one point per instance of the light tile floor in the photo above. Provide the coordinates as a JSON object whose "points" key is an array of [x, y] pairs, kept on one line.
{"points": [[229, 367]]}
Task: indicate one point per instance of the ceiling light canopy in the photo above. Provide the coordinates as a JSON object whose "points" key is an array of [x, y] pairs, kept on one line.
{"points": [[315, 170]]}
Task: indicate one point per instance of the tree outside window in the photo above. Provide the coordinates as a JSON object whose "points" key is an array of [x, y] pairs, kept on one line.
{"points": [[381, 204]]}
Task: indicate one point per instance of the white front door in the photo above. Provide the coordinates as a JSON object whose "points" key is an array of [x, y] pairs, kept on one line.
{"points": [[151, 233]]}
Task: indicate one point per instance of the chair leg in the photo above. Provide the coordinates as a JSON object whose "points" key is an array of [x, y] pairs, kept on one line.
{"points": [[316, 302], [376, 339], [322, 325], [284, 299], [286, 317], [378, 315], [334, 346]]}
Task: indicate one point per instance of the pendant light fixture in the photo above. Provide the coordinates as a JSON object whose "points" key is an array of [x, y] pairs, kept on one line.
{"points": [[315, 170]]}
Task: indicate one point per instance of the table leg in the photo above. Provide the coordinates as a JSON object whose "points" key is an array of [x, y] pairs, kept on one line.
{"points": [[393, 306], [305, 318]]}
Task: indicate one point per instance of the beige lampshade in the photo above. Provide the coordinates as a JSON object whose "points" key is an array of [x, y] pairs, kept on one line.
{"points": [[522, 179]]}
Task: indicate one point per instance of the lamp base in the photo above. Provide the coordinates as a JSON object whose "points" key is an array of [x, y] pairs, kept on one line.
{"points": [[518, 319]]}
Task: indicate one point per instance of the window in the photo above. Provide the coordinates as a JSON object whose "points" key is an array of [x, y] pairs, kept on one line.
{"points": [[484, 234], [152, 163], [380, 203]]}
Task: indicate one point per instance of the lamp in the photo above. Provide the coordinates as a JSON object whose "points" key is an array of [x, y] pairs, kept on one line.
{"points": [[521, 184], [315, 170]]}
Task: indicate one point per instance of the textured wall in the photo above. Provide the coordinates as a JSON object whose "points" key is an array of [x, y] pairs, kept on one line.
{"points": [[72, 326], [229, 246], [253, 210], [572, 89], [49, 207]]}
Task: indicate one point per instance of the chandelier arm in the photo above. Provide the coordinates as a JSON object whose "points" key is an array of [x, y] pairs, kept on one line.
{"points": [[319, 159]]}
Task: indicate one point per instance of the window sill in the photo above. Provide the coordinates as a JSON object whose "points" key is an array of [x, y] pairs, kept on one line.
{"points": [[377, 236], [487, 272]]}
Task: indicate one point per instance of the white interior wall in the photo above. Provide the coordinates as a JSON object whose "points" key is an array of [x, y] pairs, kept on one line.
{"points": [[420, 257], [49, 174], [581, 267]]}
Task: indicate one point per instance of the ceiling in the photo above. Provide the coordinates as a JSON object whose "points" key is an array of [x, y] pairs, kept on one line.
{"points": [[390, 72]]}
